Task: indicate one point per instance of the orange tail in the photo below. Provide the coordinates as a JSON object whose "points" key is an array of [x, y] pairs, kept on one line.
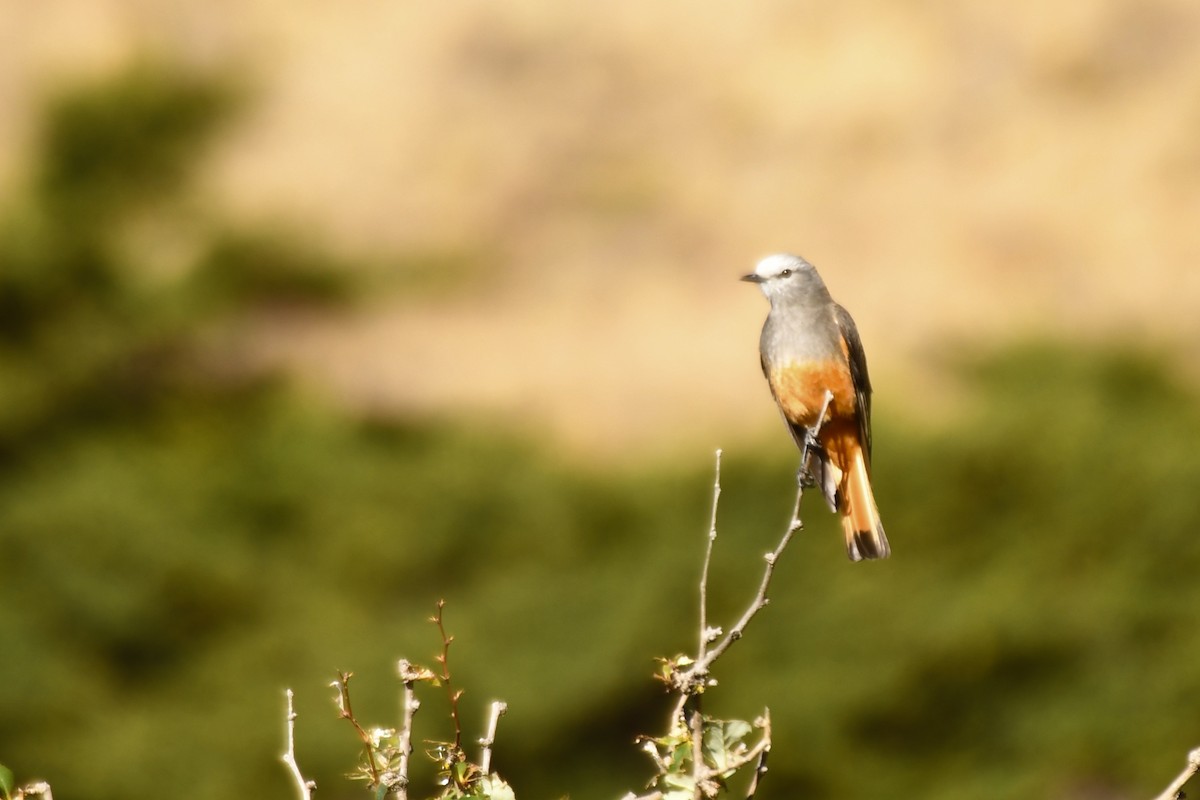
{"points": [[865, 538]]}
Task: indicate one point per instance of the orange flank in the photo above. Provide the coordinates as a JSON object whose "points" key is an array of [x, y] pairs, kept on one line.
{"points": [[800, 392]]}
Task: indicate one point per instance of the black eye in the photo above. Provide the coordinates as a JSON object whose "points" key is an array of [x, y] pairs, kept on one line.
{"points": [[785, 273]]}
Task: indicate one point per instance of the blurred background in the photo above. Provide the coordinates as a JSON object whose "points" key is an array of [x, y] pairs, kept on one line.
{"points": [[313, 314]]}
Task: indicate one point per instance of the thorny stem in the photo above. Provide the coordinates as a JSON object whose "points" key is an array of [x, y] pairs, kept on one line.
{"points": [[443, 659], [303, 785]]}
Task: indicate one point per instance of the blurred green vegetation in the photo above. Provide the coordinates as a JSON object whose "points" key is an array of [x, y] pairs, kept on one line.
{"points": [[180, 539]]}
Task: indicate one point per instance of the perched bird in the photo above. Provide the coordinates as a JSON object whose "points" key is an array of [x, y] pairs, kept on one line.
{"points": [[810, 346]]}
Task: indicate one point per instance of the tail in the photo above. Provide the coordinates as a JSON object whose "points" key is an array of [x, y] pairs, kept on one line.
{"points": [[865, 538]]}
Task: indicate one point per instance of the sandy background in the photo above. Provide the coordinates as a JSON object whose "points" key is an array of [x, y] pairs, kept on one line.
{"points": [[600, 174]]}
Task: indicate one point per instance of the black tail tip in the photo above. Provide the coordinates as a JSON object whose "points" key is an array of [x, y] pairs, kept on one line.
{"points": [[868, 546]]}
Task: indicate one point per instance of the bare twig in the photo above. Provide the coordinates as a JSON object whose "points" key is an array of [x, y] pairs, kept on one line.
{"points": [[691, 703], [707, 634], [755, 753], [700, 773], [691, 677], [697, 674], [342, 684], [304, 786], [444, 660], [764, 749], [703, 776], [489, 738], [1175, 790], [409, 675], [760, 769], [760, 600]]}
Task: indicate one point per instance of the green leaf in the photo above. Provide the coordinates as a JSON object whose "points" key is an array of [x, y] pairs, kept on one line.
{"points": [[723, 742], [6, 781], [680, 755], [737, 730]]}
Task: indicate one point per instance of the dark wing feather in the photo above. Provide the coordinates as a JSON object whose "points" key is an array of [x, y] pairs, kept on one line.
{"points": [[858, 373]]}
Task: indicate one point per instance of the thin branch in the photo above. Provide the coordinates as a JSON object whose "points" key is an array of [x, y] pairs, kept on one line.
{"points": [[760, 769], [756, 753], [1175, 790], [700, 772], [444, 660], [764, 749], [342, 684], [489, 738], [409, 675], [705, 661], [691, 682], [760, 600], [304, 786], [707, 635], [691, 702]]}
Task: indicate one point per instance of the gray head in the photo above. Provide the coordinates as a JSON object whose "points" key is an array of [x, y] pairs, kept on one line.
{"points": [[785, 278]]}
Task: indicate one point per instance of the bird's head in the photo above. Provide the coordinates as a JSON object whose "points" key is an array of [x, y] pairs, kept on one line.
{"points": [[785, 277]]}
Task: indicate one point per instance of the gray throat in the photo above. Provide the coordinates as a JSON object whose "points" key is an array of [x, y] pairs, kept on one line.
{"points": [[799, 332]]}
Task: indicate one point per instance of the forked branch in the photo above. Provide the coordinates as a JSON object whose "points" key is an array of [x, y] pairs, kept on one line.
{"points": [[699, 752], [303, 786], [693, 679]]}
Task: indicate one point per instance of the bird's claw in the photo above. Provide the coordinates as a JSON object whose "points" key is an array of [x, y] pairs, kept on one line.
{"points": [[805, 478], [811, 449], [812, 444]]}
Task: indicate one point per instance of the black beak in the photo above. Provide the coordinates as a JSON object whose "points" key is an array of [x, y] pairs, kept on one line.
{"points": [[753, 278]]}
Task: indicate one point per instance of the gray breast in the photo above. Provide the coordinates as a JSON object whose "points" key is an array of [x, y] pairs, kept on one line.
{"points": [[799, 333]]}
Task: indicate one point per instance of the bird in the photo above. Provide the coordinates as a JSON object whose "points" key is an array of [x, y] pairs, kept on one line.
{"points": [[813, 359]]}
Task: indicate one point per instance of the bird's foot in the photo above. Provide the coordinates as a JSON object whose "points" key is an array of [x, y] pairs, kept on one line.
{"points": [[804, 478], [811, 450], [811, 441], [812, 447]]}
